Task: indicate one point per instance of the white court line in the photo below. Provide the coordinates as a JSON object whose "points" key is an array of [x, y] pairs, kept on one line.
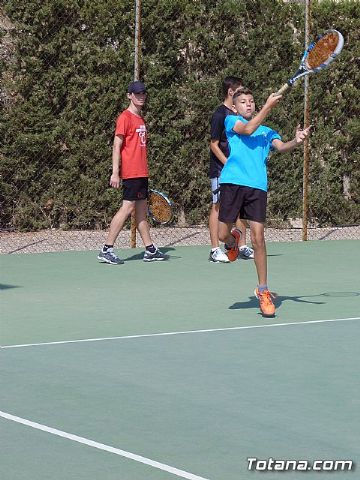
{"points": [[101, 446], [187, 332]]}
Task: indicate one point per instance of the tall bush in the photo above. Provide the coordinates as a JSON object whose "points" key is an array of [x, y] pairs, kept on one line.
{"points": [[67, 78]]}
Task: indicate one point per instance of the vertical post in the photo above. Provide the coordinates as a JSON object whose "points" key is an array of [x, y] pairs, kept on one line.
{"points": [[306, 124], [137, 45], [137, 39]]}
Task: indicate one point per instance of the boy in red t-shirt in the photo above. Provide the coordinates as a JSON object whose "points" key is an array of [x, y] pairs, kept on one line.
{"points": [[130, 164]]}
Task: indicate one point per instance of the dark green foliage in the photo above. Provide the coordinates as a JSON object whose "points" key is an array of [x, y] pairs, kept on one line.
{"points": [[70, 65], [72, 61]]}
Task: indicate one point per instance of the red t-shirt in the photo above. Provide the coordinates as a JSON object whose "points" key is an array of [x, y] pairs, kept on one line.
{"points": [[133, 149]]}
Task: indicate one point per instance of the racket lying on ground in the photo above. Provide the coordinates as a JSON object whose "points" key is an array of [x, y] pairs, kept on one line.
{"points": [[318, 56], [160, 208]]}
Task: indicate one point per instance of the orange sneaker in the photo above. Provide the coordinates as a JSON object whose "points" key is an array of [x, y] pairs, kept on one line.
{"points": [[267, 306], [233, 252]]}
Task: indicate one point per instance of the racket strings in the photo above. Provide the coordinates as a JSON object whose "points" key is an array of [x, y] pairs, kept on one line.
{"points": [[322, 50], [160, 209]]}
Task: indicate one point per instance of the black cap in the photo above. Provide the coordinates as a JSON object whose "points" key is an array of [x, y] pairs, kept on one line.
{"points": [[136, 87]]}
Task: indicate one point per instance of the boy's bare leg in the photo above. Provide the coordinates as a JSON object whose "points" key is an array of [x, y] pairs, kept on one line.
{"points": [[152, 253], [214, 225], [142, 223], [241, 225], [118, 221], [258, 242], [231, 239], [262, 291], [224, 233]]}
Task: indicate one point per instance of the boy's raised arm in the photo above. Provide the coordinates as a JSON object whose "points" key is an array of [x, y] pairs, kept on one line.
{"points": [[250, 127]]}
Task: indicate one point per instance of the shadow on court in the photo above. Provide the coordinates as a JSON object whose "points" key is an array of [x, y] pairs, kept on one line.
{"points": [[279, 299], [253, 302], [6, 287], [166, 250]]}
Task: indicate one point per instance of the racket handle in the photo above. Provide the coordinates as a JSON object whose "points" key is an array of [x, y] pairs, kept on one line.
{"points": [[282, 89]]}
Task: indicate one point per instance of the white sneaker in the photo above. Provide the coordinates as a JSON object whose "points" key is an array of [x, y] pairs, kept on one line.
{"points": [[218, 256], [246, 253]]}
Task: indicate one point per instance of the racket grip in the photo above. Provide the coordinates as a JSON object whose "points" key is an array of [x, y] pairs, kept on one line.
{"points": [[282, 89]]}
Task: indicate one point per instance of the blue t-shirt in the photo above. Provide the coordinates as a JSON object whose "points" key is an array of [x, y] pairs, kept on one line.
{"points": [[247, 161]]}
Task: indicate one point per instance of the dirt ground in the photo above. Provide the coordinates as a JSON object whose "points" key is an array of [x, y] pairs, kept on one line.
{"points": [[58, 240]]}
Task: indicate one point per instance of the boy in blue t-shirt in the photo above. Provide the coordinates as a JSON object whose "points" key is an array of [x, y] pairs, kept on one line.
{"points": [[243, 181]]}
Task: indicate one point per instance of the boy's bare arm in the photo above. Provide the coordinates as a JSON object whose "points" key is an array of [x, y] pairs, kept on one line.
{"points": [[214, 147], [250, 127], [300, 136], [116, 159]]}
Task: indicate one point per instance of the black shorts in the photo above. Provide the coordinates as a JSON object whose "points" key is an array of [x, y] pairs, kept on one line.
{"points": [[135, 188], [244, 202]]}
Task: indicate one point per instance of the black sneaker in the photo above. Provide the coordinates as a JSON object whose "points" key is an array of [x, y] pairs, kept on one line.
{"points": [[152, 257], [109, 256]]}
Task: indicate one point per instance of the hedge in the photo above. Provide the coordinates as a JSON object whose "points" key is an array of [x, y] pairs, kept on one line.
{"points": [[65, 66]]}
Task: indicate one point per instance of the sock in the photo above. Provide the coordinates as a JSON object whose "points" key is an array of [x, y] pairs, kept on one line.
{"points": [[150, 248], [262, 288], [106, 247]]}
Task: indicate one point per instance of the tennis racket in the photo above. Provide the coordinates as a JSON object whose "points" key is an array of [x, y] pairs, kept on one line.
{"points": [[318, 56], [160, 208]]}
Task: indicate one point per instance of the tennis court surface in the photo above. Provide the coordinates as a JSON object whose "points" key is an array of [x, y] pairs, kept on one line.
{"points": [[167, 370]]}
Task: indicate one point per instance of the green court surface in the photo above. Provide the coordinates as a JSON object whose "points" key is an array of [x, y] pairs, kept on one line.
{"points": [[167, 370]]}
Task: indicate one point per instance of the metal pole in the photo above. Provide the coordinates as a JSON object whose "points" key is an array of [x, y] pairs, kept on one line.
{"points": [[306, 124], [137, 46], [137, 39]]}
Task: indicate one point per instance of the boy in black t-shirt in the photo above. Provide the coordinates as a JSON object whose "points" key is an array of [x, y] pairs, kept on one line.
{"points": [[219, 152]]}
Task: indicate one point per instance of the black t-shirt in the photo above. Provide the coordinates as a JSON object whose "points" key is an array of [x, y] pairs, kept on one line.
{"points": [[218, 133]]}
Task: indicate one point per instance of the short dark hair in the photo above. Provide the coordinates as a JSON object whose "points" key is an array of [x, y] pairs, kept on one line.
{"points": [[242, 91], [230, 82]]}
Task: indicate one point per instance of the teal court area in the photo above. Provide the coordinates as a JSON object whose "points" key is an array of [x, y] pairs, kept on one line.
{"points": [[167, 370]]}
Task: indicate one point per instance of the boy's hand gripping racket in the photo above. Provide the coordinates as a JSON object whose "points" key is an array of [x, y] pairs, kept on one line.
{"points": [[318, 56], [160, 208]]}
